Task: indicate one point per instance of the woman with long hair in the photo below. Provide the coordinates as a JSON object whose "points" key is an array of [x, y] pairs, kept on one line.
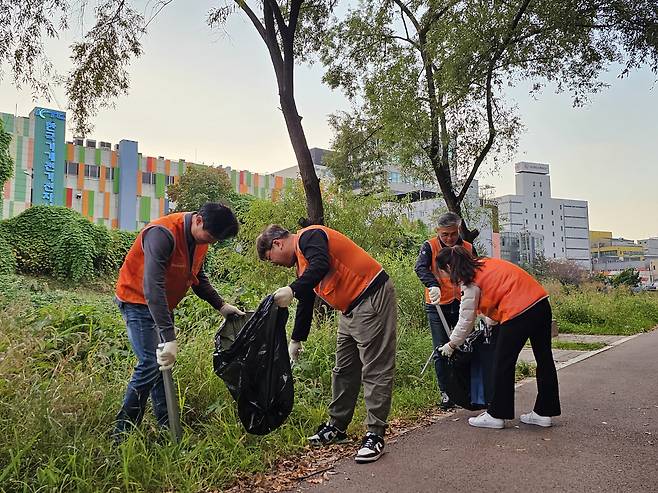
{"points": [[509, 296]]}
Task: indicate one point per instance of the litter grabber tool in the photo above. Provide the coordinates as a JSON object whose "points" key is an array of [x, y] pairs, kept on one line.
{"points": [[434, 351], [444, 322], [173, 411]]}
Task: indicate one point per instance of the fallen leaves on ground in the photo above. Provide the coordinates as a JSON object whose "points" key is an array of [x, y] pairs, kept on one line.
{"points": [[314, 465]]}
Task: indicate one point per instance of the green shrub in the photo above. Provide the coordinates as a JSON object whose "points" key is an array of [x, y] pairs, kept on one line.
{"points": [[7, 256], [59, 241]]}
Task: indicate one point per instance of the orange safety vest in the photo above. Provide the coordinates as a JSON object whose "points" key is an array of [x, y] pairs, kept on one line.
{"points": [[506, 290], [179, 276], [351, 269], [449, 292]]}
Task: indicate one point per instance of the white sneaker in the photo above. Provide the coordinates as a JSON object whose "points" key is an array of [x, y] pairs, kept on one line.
{"points": [[485, 420], [532, 418]]}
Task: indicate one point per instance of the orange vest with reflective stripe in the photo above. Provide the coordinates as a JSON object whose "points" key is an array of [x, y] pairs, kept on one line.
{"points": [[179, 276], [351, 269], [506, 290], [449, 292]]}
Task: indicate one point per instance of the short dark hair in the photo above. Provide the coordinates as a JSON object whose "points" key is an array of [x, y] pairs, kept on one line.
{"points": [[218, 220], [265, 239], [462, 264]]}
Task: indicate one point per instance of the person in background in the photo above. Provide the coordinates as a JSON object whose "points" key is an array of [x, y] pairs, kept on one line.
{"points": [[440, 291], [165, 260], [348, 279], [510, 296]]}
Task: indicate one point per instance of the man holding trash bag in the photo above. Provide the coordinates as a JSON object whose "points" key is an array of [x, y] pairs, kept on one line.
{"points": [[165, 260], [339, 271], [440, 292]]}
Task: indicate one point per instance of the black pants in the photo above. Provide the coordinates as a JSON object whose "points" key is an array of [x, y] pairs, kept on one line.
{"points": [[534, 324]]}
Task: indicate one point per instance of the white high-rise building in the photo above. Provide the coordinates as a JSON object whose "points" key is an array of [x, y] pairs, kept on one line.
{"points": [[563, 223]]}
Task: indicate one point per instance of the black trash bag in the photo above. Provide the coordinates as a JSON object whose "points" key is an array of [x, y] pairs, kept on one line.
{"points": [[469, 378], [256, 367]]}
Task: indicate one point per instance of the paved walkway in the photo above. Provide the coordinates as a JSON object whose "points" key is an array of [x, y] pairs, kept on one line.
{"points": [[605, 439], [562, 356]]}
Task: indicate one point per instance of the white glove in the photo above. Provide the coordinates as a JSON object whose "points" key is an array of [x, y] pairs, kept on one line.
{"points": [[446, 350], [227, 310], [435, 295], [294, 349], [283, 296], [166, 355]]}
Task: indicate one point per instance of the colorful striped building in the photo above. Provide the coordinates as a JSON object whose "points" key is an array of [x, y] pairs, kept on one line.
{"points": [[112, 185]]}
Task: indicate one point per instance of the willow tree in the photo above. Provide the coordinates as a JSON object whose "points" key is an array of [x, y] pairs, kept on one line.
{"points": [[101, 59]]}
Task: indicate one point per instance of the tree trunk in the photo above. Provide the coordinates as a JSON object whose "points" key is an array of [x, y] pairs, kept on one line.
{"points": [[314, 207]]}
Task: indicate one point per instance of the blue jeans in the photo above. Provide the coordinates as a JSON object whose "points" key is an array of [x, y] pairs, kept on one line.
{"points": [[439, 336], [146, 378]]}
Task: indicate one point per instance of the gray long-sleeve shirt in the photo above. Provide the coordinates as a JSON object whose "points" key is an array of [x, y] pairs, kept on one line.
{"points": [[158, 245]]}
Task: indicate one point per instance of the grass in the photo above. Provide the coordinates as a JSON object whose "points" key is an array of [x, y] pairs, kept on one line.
{"points": [[578, 346], [65, 361], [591, 310]]}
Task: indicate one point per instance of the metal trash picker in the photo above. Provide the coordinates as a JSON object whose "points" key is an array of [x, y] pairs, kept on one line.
{"points": [[173, 411], [444, 322]]}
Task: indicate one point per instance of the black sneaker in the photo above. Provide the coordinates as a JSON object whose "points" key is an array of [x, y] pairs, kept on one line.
{"points": [[328, 434], [446, 404], [372, 448]]}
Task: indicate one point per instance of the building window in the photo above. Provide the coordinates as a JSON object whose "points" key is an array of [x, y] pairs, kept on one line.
{"points": [[541, 194], [535, 226], [534, 204], [169, 180], [148, 178], [526, 211], [553, 244], [552, 223], [539, 184], [72, 169], [541, 206], [535, 215], [92, 171], [562, 249], [542, 227], [111, 173], [560, 206], [561, 228], [533, 183], [542, 216], [553, 234], [553, 255], [526, 221], [534, 194], [552, 213]]}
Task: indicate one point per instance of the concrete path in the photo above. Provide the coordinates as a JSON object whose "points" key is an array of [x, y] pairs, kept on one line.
{"points": [[562, 356], [605, 439]]}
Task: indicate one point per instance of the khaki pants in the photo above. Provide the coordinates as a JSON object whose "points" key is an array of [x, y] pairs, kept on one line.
{"points": [[365, 352]]}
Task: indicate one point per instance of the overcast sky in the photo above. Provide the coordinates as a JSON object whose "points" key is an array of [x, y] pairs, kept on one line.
{"points": [[210, 96]]}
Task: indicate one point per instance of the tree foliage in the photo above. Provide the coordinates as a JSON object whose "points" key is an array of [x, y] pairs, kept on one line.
{"points": [[6, 162], [428, 78], [567, 272], [290, 31], [198, 185], [627, 277]]}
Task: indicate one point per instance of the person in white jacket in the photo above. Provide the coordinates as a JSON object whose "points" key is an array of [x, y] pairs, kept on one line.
{"points": [[510, 296]]}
